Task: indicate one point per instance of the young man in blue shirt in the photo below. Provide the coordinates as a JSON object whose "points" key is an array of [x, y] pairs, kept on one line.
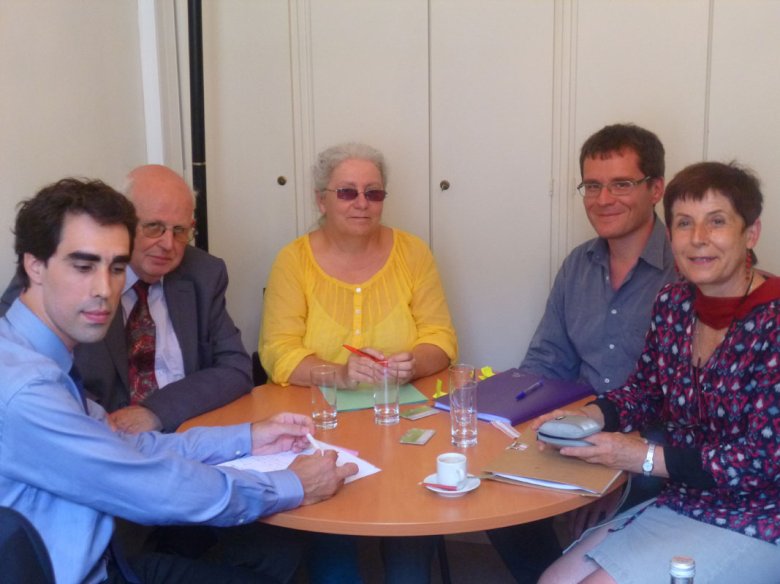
{"points": [[63, 465]]}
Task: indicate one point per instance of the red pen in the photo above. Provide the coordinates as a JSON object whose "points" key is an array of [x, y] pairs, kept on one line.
{"points": [[364, 354], [438, 486]]}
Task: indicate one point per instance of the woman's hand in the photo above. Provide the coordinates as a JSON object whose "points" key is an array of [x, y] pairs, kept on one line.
{"points": [[361, 369], [612, 449], [404, 364]]}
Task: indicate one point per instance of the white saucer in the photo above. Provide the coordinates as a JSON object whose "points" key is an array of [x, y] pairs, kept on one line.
{"points": [[470, 484]]}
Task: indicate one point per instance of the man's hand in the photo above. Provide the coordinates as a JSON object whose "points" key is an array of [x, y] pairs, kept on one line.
{"points": [[320, 476], [134, 419], [281, 433]]}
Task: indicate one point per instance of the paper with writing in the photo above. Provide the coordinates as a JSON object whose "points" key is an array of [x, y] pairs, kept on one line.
{"points": [[281, 460]]}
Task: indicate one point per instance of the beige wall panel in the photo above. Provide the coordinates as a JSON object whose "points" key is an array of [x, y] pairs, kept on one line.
{"points": [[70, 100], [249, 145], [745, 96], [370, 84], [641, 61], [491, 138]]}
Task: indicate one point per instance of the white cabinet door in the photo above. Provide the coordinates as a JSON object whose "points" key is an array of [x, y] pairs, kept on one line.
{"points": [[369, 83], [641, 61], [744, 97], [249, 133], [491, 140]]}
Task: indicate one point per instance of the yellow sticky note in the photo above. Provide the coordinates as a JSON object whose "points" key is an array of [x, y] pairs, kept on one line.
{"points": [[485, 372], [439, 391]]}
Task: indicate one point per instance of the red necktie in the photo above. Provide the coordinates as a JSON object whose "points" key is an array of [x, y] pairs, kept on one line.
{"points": [[140, 332]]}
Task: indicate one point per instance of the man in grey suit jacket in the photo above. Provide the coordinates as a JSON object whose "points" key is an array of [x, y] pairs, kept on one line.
{"points": [[200, 361]]}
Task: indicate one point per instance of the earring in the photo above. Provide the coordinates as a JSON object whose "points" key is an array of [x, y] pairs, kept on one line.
{"points": [[748, 264], [677, 271]]}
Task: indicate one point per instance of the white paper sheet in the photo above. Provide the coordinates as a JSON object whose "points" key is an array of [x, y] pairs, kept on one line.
{"points": [[281, 460]]}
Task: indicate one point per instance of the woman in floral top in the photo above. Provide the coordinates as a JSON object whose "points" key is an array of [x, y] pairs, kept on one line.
{"points": [[710, 374]]}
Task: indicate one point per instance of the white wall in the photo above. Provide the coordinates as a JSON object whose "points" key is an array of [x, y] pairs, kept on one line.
{"points": [[702, 73], [70, 99]]}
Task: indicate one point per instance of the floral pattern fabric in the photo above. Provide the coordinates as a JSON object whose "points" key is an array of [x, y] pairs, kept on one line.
{"points": [[727, 408]]}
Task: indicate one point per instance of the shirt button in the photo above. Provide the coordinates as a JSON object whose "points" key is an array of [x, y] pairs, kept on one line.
{"points": [[606, 380], [357, 331], [357, 311], [613, 311], [241, 521], [611, 346], [239, 453], [358, 290]]}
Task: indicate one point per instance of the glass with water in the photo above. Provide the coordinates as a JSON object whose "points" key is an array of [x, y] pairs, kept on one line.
{"points": [[324, 393], [386, 408], [463, 405]]}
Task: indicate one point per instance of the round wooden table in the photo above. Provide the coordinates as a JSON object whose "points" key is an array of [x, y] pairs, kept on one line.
{"points": [[391, 502]]}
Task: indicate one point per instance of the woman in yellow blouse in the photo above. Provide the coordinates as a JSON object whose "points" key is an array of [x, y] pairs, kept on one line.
{"points": [[354, 281]]}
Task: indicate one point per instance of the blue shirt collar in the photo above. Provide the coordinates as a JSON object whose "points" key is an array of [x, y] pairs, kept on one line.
{"points": [[39, 335], [656, 252]]}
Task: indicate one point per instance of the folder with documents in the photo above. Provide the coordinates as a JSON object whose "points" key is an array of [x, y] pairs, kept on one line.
{"points": [[550, 469], [497, 396]]}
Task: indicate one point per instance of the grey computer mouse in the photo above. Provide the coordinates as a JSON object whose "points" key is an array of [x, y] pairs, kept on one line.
{"points": [[568, 430]]}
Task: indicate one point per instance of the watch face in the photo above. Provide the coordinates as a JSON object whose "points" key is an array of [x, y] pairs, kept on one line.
{"points": [[647, 466]]}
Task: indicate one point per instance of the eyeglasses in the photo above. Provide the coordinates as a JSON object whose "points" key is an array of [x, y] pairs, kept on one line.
{"points": [[618, 188], [350, 194], [155, 229]]}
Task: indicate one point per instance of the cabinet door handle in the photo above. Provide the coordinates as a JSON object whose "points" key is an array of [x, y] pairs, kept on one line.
{"points": [[444, 185], [282, 180]]}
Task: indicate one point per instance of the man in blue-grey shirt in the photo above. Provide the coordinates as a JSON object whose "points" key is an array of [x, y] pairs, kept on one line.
{"points": [[63, 465], [598, 312]]}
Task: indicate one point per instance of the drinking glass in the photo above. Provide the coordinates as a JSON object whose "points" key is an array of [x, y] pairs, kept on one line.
{"points": [[323, 396], [463, 414], [386, 410]]}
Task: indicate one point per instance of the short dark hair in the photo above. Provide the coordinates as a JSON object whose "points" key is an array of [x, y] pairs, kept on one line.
{"points": [[737, 183], [39, 221], [619, 137]]}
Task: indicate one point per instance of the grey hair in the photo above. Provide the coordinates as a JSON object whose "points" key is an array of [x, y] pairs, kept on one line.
{"points": [[330, 158]]}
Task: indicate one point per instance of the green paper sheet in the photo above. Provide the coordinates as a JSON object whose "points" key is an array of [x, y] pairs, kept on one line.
{"points": [[362, 399]]}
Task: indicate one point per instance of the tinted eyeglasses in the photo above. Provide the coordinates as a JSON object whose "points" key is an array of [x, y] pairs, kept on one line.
{"points": [[155, 229], [350, 194]]}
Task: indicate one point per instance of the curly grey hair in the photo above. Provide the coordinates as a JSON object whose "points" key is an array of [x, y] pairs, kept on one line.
{"points": [[330, 158]]}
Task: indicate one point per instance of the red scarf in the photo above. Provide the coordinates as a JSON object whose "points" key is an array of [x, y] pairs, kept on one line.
{"points": [[718, 312]]}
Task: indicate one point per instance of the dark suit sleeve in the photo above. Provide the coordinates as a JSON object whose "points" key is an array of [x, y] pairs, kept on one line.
{"points": [[217, 367]]}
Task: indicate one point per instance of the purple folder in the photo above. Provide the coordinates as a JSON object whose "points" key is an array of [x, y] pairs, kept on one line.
{"points": [[497, 396]]}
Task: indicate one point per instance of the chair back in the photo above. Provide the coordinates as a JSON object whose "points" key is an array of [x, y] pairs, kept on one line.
{"points": [[259, 376], [23, 555]]}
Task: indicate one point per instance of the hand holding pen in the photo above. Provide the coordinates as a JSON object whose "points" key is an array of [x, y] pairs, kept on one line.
{"points": [[315, 443], [529, 390], [363, 366], [365, 354]]}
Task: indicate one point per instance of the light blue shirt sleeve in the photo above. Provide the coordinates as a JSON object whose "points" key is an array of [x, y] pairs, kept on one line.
{"points": [[149, 478]]}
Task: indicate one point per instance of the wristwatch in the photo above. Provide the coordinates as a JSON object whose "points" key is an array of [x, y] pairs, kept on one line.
{"points": [[648, 464]]}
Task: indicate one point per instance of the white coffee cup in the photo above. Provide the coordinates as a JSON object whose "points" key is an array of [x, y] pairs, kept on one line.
{"points": [[451, 469]]}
